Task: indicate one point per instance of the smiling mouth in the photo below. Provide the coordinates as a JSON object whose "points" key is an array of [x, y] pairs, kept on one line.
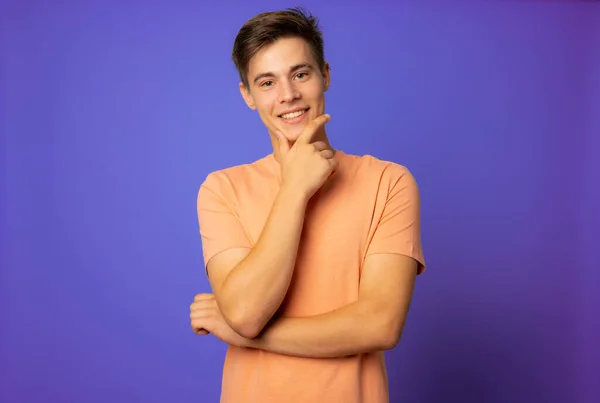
{"points": [[294, 115]]}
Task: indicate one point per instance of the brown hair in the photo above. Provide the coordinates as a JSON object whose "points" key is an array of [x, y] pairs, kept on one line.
{"points": [[266, 28]]}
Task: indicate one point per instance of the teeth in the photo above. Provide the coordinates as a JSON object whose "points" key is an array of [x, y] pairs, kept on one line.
{"points": [[293, 115]]}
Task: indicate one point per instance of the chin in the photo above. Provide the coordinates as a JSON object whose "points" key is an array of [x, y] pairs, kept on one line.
{"points": [[293, 134]]}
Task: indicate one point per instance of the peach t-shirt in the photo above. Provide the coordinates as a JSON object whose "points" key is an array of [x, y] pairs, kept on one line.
{"points": [[369, 206]]}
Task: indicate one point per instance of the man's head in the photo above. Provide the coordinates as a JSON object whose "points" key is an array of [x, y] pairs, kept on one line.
{"points": [[280, 60]]}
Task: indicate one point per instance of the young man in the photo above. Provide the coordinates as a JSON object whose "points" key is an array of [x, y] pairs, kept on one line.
{"points": [[312, 254]]}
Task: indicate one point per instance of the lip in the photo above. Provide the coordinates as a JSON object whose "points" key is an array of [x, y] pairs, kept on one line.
{"points": [[292, 111], [295, 120]]}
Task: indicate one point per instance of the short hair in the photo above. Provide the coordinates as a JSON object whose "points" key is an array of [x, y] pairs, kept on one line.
{"points": [[266, 28]]}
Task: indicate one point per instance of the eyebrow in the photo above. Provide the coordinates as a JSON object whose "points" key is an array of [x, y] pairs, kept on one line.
{"points": [[292, 69]]}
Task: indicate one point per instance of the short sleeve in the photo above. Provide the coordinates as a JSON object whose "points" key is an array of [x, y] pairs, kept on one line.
{"points": [[399, 228], [220, 226]]}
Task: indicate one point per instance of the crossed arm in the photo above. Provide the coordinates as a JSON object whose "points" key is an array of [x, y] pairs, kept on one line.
{"points": [[250, 284], [373, 323]]}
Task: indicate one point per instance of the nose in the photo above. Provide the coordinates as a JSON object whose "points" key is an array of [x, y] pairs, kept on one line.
{"points": [[288, 92]]}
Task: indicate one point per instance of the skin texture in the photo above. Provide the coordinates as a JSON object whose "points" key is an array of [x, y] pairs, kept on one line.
{"points": [[249, 285]]}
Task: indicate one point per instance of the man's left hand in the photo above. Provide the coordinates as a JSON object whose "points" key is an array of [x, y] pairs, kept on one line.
{"points": [[206, 318]]}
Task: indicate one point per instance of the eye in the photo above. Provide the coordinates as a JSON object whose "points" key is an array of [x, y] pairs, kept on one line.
{"points": [[301, 75], [266, 84]]}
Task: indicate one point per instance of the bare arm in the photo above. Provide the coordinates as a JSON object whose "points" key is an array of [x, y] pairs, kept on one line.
{"points": [[373, 323], [250, 286]]}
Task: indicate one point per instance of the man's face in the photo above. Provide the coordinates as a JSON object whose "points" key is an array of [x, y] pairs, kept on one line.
{"points": [[286, 86]]}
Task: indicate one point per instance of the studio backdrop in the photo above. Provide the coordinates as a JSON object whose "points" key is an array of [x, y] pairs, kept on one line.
{"points": [[113, 113]]}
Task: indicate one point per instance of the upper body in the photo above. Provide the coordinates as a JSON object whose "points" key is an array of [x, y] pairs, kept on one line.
{"points": [[368, 207], [311, 254]]}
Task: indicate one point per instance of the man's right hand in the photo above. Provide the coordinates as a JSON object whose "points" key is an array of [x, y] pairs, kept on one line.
{"points": [[306, 165], [251, 284]]}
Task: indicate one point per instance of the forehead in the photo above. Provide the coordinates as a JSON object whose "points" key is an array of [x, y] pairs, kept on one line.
{"points": [[279, 56]]}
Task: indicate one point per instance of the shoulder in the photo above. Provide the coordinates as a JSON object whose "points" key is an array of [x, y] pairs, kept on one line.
{"points": [[225, 183], [385, 172]]}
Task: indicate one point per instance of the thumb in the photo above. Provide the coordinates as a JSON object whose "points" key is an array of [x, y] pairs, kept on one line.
{"points": [[284, 145]]}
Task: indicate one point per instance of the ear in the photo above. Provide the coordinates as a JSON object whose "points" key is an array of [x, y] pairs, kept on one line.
{"points": [[326, 76], [247, 97]]}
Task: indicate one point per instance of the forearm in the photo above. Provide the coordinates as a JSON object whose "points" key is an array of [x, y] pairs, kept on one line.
{"points": [[354, 329], [253, 291]]}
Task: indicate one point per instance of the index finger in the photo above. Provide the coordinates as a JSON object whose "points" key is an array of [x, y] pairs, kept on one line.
{"points": [[311, 128], [201, 297]]}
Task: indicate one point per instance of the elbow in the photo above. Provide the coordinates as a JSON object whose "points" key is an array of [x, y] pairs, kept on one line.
{"points": [[246, 325], [242, 318], [390, 335], [390, 342], [248, 330]]}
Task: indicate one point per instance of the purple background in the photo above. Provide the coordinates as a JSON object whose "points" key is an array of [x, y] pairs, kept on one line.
{"points": [[113, 114]]}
